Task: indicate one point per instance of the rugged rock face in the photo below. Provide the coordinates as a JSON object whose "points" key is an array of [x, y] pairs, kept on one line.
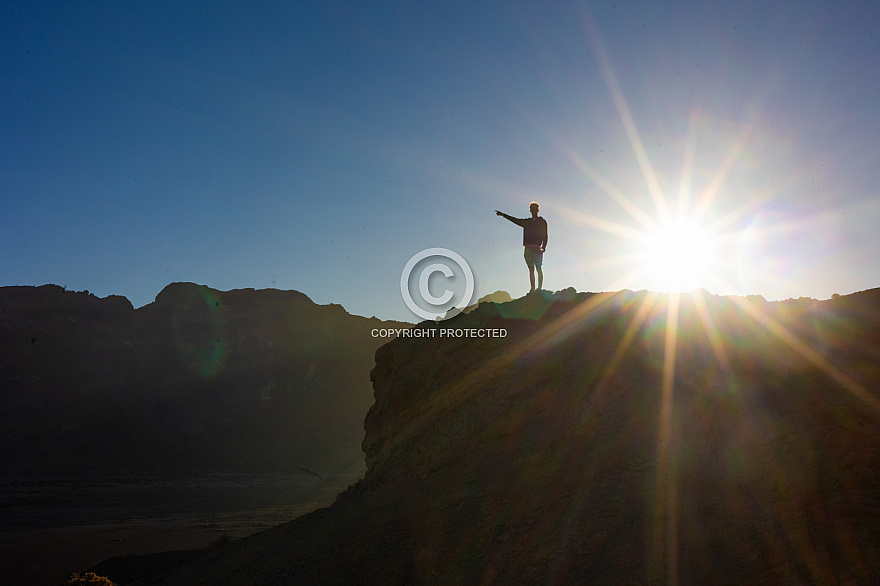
{"points": [[606, 439], [249, 380]]}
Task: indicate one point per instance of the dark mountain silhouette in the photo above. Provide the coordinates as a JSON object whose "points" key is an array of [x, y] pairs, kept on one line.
{"points": [[496, 297], [200, 379], [606, 439]]}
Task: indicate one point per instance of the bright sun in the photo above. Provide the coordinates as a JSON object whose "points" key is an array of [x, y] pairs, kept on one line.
{"points": [[677, 256]]}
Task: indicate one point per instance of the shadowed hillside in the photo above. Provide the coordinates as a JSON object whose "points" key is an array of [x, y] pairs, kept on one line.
{"points": [[606, 439], [200, 379]]}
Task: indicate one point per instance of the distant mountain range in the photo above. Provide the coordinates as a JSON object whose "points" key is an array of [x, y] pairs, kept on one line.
{"points": [[615, 438], [248, 380]]}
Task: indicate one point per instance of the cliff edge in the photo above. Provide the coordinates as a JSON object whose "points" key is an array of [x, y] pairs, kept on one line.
{"points": [[607, 438]]}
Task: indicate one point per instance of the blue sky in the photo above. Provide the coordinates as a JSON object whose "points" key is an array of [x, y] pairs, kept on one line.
{"points": [[317, 146]]}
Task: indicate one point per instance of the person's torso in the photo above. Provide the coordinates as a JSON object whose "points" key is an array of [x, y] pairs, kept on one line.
{"points": [[534, 231]]}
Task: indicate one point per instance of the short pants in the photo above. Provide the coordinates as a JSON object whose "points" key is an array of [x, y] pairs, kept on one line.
{"points": [[533, 255]]}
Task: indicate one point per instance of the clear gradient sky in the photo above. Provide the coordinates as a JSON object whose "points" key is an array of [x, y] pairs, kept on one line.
{"points": [[317, 146]]}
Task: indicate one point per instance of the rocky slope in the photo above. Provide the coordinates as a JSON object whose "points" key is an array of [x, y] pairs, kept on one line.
{"points": [[621, 438], [245, 380]]}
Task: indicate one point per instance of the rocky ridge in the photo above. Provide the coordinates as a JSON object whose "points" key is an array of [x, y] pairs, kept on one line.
{"points": [[606, 439], [199, 379]]}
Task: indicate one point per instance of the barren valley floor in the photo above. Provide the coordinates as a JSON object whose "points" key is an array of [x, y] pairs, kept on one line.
{"points": [[52, 526]]}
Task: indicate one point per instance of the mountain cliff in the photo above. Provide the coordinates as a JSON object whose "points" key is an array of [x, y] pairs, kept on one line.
{"points": [[200, 379], [576, 438]]}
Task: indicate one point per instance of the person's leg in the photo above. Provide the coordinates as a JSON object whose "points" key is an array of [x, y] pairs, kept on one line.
{"points": [[530, 262], [539, 262]]}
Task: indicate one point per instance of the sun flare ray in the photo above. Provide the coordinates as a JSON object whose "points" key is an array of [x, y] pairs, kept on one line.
{"points": [[711, 331], [606, 225], [814, 357], [616, 260], [687, 244], [628, 122], [687, 167], [707, 197], [613, 192]]}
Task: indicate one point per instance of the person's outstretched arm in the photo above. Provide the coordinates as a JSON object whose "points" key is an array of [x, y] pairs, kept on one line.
{"points": [[516, 221]]}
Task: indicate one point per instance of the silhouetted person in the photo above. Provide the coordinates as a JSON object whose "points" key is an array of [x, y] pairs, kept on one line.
{"points": [[534, 241]]}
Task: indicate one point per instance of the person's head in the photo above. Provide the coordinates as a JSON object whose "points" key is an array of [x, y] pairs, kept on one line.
{"points": [[533, 207]]}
